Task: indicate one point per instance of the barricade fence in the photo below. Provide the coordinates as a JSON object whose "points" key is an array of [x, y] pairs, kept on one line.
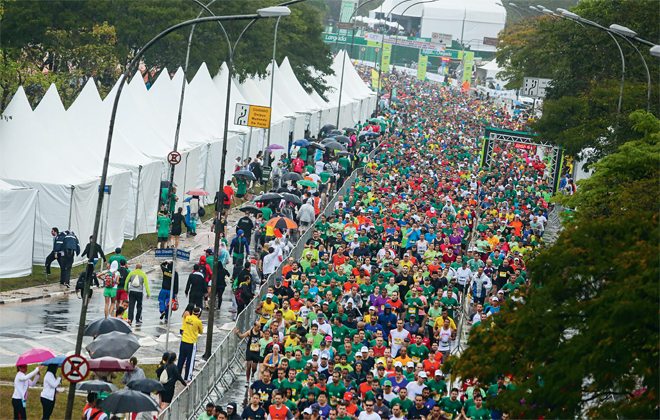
{"points": [[218, 374]]}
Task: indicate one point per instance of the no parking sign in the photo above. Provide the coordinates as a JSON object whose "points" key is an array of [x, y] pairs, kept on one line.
{"points": [[75, 368]]}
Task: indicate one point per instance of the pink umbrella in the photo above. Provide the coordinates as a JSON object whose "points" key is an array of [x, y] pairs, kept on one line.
{"points": [[197, 192], [275, 147], [37, 355]]}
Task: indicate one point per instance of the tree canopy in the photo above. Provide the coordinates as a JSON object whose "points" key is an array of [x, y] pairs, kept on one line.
{"points": [[580, 109], [586, 343], [65, 42]]}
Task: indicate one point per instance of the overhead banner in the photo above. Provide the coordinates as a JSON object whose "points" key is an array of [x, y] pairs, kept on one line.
{"points": [[345, 13], [468, 64], [374, 79], [387, 55], [421, 66]]}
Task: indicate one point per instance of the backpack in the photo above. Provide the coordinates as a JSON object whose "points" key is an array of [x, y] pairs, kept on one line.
{"points": [[108, 280], [201, 212], [135, 281], [164, 377]]}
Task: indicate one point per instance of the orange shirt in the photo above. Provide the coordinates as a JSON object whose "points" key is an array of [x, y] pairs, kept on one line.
{"points": [[278, 413]]}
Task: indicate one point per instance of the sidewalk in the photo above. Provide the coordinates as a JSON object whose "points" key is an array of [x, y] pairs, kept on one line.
{"points": [[195, 245]]}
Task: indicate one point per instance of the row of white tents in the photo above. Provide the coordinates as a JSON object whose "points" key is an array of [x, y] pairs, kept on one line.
{"points": [[51, 157]]}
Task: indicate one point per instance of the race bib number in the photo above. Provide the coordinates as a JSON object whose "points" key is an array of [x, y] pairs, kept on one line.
{"points": [[254, 347]]}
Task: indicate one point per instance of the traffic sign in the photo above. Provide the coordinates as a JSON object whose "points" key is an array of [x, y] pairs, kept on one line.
{"points": [[438, 38], [392, 78], [164, 253], [535, 87], [183, 255], [75, 368], [174, 158], [252, 116]]}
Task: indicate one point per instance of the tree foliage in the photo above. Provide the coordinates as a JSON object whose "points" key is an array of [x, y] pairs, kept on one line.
{"points": [[74, 40], [584, 64], [586, 343]]}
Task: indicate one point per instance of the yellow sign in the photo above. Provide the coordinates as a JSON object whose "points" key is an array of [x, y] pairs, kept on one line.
{"points": [[259, 116], [387, 55], [468, 63], [374, 79], [422, 63]]}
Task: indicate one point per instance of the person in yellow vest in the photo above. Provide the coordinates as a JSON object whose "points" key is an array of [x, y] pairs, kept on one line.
{"points": [[192, 328], [266, 309]]}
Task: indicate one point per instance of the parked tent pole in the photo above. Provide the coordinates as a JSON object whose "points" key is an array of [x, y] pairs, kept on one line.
{"points": [[206, 165], [341, 85], [73, 187], [137, 202], [249, 148], [107, 216], [130, 68]]}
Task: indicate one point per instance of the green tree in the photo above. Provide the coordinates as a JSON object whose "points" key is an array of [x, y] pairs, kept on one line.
{"points": [[586, 343], [584, 64], [42, 33]]}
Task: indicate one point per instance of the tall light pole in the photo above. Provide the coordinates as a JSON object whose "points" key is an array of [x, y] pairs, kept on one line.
{"points": [[629, 35], [106, 162], [380, 57], [268, 12], [272, 83], [343, 60], [576, 18]]}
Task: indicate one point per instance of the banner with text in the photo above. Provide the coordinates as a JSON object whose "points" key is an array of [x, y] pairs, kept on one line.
{"points": [[421, 66], [345, 13], [468, 64], [387, 55], [374, 79]]}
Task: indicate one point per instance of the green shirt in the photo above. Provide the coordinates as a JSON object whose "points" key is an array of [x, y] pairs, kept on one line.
{"points": [[449, 406], [475, 413], [336, 390], [405, 404]]}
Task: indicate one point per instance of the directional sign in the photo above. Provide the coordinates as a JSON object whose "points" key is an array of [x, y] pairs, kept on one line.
{"points": [[535, 87], [252, 116], [75, 368], [164, 253], [183, 255], [174, 158]]}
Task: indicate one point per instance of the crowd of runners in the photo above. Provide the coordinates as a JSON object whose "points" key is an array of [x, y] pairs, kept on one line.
{"points": [[425, 240]]}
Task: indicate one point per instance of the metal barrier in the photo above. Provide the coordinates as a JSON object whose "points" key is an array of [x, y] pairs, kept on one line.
{"points": [[217, 375]]}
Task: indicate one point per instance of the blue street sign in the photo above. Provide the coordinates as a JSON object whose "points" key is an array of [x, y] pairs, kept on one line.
{"points": [[183, 255], [164, 253], [107, 189]]}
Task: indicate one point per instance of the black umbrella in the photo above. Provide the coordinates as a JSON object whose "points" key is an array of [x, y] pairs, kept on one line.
{"points": [[145, 385], [328, 127], [317, 145], [335, 146], [292, 176], [114, 344], [244, 174], [268, 197], [106, 325], [335, 132], [96, 386], [342, 139], [343, 153], [291, 198], [248, 208], [350, 130], [328, 140], [128, 401]]}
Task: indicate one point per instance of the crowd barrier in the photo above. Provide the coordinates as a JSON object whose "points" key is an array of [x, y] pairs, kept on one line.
{"points": [[219, 372]]}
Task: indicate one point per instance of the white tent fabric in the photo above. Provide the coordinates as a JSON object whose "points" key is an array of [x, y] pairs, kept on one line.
{"points": [[17, 220], [57, 183], [365, 98], [467, 20]]}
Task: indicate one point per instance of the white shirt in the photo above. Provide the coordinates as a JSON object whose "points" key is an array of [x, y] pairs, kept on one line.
{"points": [[414, 389], [366, 416], [50, 386], [445, 339], [463, 275], [272, 261], [398, 340], [22, 382]]}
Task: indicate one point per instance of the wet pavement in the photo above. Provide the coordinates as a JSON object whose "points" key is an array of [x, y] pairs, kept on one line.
{"points": [[53, 322]]}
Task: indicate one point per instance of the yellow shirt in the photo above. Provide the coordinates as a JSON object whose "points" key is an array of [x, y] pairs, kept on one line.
{"points": [[192, 328], [267, 311], [289, 315], [404, 360], [439, 322]]}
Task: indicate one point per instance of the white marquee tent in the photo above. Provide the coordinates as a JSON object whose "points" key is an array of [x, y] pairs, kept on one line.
{"points": [[51, 157]]}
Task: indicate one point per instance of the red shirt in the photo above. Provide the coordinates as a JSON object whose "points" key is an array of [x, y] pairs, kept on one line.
{"points": [[278, 413], [228, 194], [296, 304]]}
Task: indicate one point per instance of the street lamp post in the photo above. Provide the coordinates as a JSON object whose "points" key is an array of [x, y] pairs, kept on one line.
{"points": [[576, 18], [106, 162], [272, 84], [628, 34]]}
